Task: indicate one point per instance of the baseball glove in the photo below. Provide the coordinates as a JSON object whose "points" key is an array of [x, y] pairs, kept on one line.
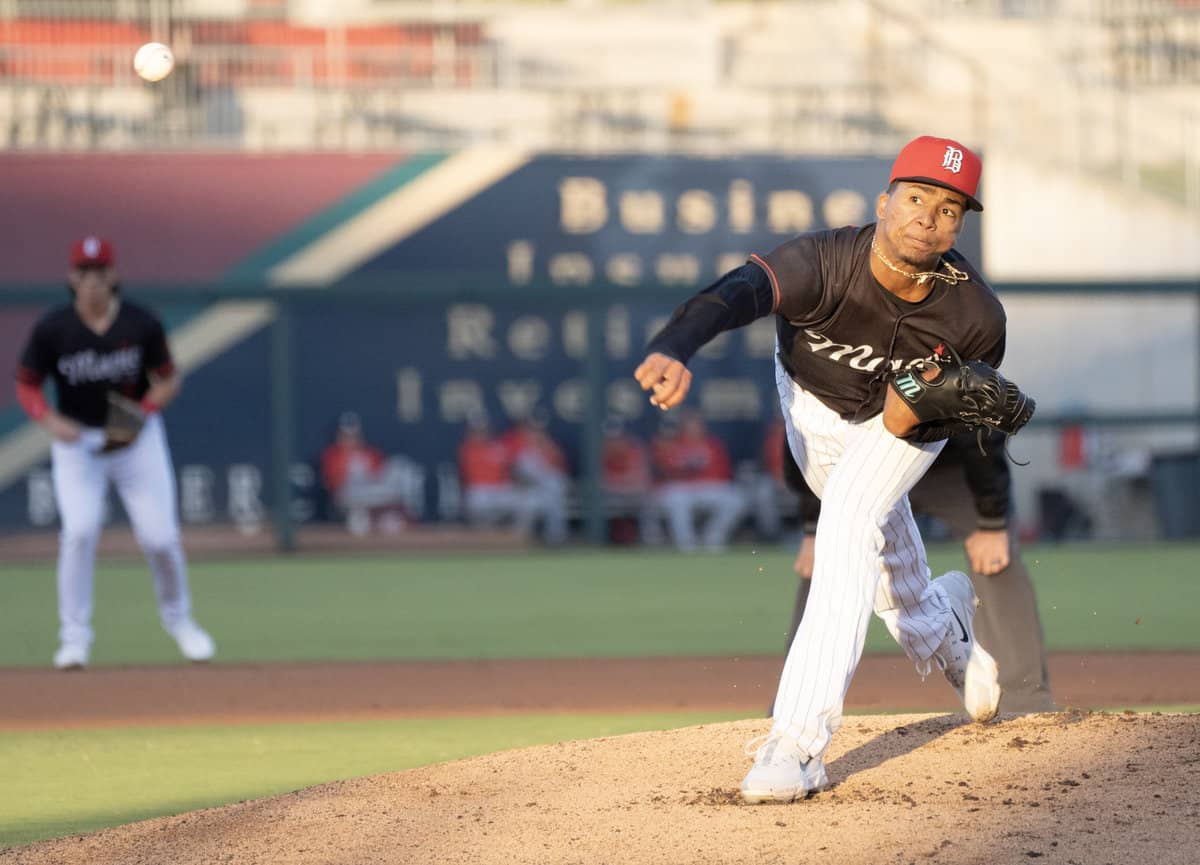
{"points": [[961, 397], [123, 422]]}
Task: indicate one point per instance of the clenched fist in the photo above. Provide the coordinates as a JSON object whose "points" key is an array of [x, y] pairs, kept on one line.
{"points": [[667, 380]]}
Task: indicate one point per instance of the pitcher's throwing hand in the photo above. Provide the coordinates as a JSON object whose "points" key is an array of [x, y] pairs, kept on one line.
{"points": [[667, 379]]}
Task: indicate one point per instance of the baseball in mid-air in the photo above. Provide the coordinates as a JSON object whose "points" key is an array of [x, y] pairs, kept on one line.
{"points": [[153, 61]]}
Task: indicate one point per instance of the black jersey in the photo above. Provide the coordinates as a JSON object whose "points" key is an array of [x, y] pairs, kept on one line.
{"points": [[840, 331], [85, 365]]}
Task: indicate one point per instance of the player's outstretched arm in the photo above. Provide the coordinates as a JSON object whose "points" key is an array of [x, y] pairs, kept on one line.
{"points": [[665, 378], [734, 300]]}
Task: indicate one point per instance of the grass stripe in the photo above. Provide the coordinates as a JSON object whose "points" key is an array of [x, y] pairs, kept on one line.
{"points": [[566, 605], [64, 782]]}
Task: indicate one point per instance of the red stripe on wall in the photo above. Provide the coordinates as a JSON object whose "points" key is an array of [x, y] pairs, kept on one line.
{"points": [[171, 217]]}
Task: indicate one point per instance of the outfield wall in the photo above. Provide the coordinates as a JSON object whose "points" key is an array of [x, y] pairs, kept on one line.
{"points": [[416, 367], [419, 289]]}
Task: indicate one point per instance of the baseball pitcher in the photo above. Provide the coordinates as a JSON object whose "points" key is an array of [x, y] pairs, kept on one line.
{"points": [[872, 326]]}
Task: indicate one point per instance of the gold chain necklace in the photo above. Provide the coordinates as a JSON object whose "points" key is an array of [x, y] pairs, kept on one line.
{"points": [[954, 276]]}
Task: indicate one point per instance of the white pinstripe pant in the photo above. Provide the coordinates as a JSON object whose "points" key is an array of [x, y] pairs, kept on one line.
{"points": [[869, 555]]}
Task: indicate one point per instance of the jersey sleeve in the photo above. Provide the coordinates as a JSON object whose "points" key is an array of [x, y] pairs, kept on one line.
{"points": [[797, 273], [993, 337], [987, 322], [156, 351], [986, 471], [37, 360], [736, 299]]}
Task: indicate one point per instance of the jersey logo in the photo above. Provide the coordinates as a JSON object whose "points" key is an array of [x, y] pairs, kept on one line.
{"points": [[861, 357], [952, 160], [89, 365]]}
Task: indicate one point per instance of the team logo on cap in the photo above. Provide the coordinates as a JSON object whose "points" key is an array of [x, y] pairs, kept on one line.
{"points": [[91, 246], [952, 160]]}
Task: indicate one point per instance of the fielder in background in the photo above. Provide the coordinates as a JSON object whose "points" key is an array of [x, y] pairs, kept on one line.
{"points": [[967, 489], [870, 385], [113, 375]]}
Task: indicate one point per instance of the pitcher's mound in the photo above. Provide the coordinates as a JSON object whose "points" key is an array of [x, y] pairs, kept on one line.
{"points": [[1061, 788]]}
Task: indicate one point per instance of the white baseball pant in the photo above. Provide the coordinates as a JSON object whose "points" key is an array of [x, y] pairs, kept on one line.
{"points": [[145, 481], [685, 502], [869, 555], [525, 506]]}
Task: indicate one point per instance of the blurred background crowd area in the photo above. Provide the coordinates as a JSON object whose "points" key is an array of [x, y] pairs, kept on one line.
{"points": [[418, 216], [1106, 85]]}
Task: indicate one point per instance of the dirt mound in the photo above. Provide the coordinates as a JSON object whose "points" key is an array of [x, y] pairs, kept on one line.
{"points": [[1059, 788]]}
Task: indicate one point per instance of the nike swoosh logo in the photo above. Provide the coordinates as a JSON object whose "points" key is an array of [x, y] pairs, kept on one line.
{"points": [[960, 625]]}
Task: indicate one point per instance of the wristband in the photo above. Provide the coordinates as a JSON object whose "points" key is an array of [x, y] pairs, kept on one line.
{"points": [[992, 524]]}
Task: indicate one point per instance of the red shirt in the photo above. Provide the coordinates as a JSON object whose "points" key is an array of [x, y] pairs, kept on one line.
{"points": [[484, 462], [518, 440], [626, 464], [337, 460], [700, 459]]}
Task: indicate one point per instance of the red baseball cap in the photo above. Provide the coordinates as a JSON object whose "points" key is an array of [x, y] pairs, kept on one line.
{"points": [[91, 251], [940, 162]]}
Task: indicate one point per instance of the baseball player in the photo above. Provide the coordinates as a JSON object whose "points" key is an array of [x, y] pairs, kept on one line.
{"points": [[625, 477], [871, 327], [113, 375], [495, 490], [695, 483], [968, 489]]}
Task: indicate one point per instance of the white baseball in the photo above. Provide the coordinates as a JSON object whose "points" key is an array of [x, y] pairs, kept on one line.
{"points": [[153, 61]]}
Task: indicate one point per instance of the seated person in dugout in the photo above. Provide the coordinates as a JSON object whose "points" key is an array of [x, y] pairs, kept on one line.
{"points": [[518, 478], [368, 487], [770, 491], [539, 467], [625, 478], [695, 485]]}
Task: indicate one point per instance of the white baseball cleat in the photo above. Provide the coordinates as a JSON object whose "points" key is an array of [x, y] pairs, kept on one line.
{"points": [[967, 665], [193, 641], [781, 771], [71, 656]]}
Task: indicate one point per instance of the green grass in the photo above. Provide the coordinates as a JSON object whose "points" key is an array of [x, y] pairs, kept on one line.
{"points": [[63, 782], [569, 604], [1105, 598]]}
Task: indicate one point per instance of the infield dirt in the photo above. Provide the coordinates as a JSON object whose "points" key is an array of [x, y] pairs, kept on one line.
{"points": [[1070, 787]]}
